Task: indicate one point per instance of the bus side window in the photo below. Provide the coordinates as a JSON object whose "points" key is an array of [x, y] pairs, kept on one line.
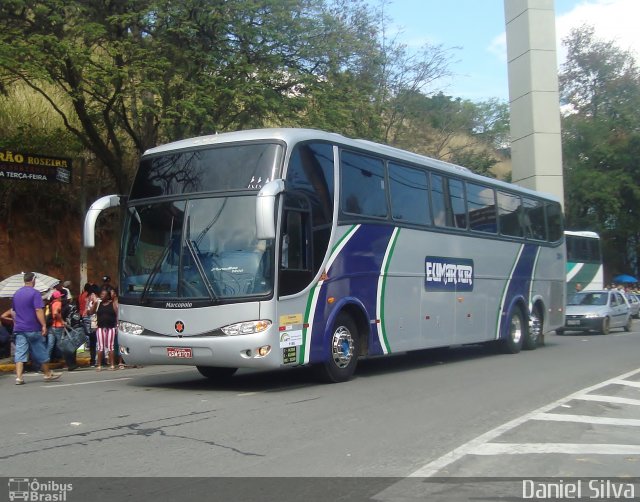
{"points": [[439, 208], [534, 220], [296, 249], [509, 212], [294, 243]]}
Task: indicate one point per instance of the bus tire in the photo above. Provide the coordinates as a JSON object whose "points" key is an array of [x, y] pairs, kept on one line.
{"points": [[216, 372], [343, 350], [517, 332], [533, 336]]}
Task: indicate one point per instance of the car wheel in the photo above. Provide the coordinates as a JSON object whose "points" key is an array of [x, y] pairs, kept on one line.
{"points": [[606, 327], [344, 348], [560, 332], [533, 335], [517, 332], [627, 327]]}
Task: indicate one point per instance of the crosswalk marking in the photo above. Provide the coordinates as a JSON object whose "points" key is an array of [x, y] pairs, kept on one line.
{"points": [[482, 443]]}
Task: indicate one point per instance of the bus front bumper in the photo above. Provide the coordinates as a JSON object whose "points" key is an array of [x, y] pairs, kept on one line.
{"points": [[258, 350]]}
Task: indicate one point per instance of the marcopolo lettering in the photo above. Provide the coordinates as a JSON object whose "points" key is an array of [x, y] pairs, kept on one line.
{"points": [[448, 274]]}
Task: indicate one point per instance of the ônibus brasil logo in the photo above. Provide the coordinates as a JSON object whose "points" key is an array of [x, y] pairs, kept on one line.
{"points": [[40, 491]]}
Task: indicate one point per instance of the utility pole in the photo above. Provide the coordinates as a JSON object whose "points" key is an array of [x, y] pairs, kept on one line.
{"points": [[83, 210]]}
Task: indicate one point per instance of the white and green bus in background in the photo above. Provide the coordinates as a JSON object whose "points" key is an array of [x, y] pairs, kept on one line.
{"points": [[278, 248], [584, 260]]}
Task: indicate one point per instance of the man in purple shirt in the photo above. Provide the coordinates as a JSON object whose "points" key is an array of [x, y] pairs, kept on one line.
{"points": [[30, 329]]}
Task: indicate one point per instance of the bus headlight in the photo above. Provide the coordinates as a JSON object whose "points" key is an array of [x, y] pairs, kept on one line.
{"points": [[246, 328], [130, 328]]}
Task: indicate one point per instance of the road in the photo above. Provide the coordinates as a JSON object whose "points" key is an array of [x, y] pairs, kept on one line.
{"points": [[466, 411]]}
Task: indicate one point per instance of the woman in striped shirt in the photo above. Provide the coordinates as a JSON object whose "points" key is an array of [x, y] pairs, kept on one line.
{"points": [[106, 311]]}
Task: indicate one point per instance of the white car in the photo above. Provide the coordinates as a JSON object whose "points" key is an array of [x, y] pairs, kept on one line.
{"points": [[634, 303], [597, 311]]}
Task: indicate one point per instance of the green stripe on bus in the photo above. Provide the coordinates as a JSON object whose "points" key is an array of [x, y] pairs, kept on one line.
{"points": [[383, 289], [311, 304], [504, 291], [586, 275]]}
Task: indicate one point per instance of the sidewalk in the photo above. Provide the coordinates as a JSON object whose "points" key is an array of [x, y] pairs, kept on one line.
{"points": [[8, 366]]}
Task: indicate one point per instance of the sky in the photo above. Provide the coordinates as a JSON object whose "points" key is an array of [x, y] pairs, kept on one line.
{"points": [[477, 28]]}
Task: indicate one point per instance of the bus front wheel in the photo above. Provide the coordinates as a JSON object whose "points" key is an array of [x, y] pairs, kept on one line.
{"points": [[343, 350], [216, 372]]}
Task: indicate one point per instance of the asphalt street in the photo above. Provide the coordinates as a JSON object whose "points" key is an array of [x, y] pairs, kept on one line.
{"points": [[569, 409]]}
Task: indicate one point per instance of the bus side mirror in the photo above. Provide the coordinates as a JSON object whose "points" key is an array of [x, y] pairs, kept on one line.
{"points": [[266, 209], [92, 215]]}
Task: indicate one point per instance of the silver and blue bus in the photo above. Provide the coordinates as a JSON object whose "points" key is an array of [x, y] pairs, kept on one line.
{"points": [[275, 248], [584, 260]]}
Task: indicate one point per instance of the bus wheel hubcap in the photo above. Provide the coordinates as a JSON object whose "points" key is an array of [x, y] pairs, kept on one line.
{"points": [[516, 328], [536, 326], [342, 347]]}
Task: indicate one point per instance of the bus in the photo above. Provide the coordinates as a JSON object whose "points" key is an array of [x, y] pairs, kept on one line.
{"points": [[277, 248], [584, 260]]}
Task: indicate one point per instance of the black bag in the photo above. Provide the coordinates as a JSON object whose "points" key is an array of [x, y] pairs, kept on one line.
{"points": [[71, 339], [71, 316]]}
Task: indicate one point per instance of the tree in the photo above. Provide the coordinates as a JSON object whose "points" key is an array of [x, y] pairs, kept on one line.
{"points": [[600, 88], [141, 72]]}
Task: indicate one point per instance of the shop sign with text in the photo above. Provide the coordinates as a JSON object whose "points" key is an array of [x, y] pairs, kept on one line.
{"points": [[34, 167]]}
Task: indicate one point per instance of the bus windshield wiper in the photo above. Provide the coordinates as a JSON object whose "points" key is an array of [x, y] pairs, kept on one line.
{"points": [[212, 294], [156, 269]]}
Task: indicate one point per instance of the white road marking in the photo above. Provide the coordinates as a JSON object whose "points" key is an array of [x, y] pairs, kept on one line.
{"points": [[566, 448], [627, 383], [59, 385], [610, 399], [586, 419], [476, 444]]}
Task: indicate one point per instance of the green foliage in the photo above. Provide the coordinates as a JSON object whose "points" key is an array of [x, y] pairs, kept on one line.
{"points": [[126, 76], [600, 84]]}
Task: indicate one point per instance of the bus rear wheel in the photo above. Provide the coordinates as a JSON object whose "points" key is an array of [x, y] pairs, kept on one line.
{"points": [[533, 336], [517, 332], [343, 348], [216, 372]]}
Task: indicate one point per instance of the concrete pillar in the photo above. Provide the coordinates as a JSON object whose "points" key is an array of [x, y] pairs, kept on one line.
{"points": [[536, 150]]}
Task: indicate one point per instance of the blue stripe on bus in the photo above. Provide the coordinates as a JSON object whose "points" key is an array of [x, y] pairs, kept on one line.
{"points": [[356, 270], [519, 285]]}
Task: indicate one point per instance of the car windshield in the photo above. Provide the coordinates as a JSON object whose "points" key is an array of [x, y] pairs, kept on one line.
{"points": [[589, 298], [202, 248]]}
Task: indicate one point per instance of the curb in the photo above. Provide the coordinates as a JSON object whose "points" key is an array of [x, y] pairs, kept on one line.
{"points": [[80, 361]]}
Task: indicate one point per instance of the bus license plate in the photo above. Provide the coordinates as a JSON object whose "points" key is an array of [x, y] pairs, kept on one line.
{"points": [[180, 352]]}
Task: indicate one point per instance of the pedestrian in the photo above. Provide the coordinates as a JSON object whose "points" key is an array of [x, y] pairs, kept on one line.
{"points": [[66, 288], [88, 298], [107, 314], [578, 287], [30, 329], [6, 333], [57, 328]]}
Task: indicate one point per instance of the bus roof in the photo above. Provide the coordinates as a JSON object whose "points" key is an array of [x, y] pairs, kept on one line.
{"points": [[582, 233], [295, 135]]}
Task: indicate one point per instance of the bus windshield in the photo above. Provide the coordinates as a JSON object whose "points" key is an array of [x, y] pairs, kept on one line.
{"points": [[203, 248]]}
